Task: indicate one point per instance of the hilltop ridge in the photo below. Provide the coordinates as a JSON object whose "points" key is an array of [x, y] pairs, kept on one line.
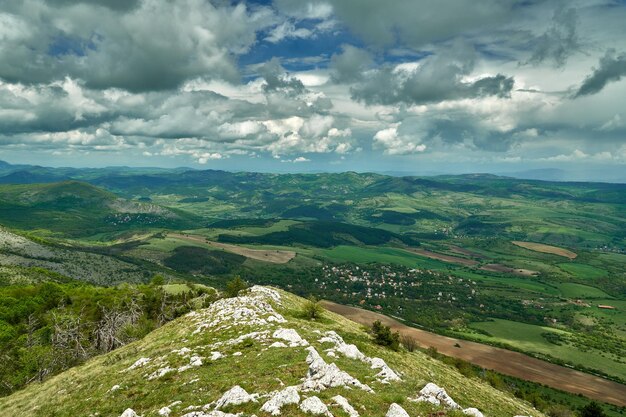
{"points": [[257, 355]]}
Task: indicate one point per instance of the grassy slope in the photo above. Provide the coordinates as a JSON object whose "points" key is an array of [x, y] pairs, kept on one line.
{"points": [[85, 390]]}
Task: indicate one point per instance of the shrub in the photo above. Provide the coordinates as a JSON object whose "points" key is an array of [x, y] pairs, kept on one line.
{"points": [[235, 286], [592, 410], [312, 309], [384, 337]]}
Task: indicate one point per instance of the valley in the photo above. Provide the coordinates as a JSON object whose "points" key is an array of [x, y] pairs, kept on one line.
{"points": [[494, 262]]}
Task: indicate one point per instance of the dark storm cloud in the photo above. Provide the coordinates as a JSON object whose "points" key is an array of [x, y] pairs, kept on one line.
{"points": [[611, 68]]}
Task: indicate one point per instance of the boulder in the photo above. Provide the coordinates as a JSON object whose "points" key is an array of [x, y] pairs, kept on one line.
{"points": [[234, 396], [345, 405], [281, 398], [315, 406], [396, 411], [474, 412]]}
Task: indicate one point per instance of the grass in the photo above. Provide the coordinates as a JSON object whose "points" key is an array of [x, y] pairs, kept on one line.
{"points": [[85, 390], [528, 337], [583, 271], [572, 290]]}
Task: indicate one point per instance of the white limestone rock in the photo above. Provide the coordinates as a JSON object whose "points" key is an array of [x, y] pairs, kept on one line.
{"points": [[348, 350], [291, 336], [396, 411], [235, 396], [165, 411], [434, 394], [278, 345], [386, 374], [315, 406], [138, 363], [115, 388], [215, 413], [215, 356], [129, 412], [160, 372], [280, 399], [253, 309], [345, 406], [322, 375], [265, 292], [473, 412]]}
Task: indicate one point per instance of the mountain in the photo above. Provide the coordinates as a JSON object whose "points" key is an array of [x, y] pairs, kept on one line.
{"points": [[76, 208], [257, 354]]}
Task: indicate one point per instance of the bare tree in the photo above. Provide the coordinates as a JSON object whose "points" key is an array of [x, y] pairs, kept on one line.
{"points": [[409, 342], [108, 332]]}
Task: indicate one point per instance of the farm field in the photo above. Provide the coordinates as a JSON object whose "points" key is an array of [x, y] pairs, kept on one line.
{"points": [[530, 338], [539, 247]]}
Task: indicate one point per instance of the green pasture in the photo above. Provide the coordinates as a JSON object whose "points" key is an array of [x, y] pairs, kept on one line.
{"points": [[528, 337]]}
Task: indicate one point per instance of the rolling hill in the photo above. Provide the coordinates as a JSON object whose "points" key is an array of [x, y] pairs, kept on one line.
{"points": [[256, 354]]}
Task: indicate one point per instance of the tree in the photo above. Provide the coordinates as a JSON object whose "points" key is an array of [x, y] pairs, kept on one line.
{"points": [[157, 280], [234, 286], [384, 337], [409, 342], [312, 309], [592, 410]]}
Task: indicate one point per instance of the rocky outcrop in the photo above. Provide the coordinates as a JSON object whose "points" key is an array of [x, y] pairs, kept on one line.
{"points": [[280, 399], [473, 412], [315, 406], [235, 396], [386, 374], [396, 411], [345, 406], [291, 336], [322, 375], [434, 394], [252, 309]]}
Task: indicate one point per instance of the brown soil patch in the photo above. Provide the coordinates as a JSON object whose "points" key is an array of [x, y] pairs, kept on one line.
{"points": [[500, 360], [540, 247], [509, 270], [466, 252], [444, 258], [266, 255]]}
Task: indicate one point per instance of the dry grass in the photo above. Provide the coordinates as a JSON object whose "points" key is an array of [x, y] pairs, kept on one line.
{"points": [[540, 247], [266, 255]]}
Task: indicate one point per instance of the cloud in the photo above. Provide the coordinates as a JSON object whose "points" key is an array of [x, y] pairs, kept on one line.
{"points": [[156, 45], [560, 41], [297, 160], [436, 78], [611, 68], [394, 144], [350, 64], [287, 30], [411, 22]]}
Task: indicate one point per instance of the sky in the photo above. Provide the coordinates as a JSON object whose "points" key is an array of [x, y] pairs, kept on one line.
{"points": [[415, 86]]}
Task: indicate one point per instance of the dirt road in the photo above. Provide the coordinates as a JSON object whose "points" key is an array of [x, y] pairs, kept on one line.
{"points": [[500, 360]]}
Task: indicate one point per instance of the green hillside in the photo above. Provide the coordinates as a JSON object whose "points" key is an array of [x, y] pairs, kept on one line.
{"points": [[260, 351], [74, 208]]}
